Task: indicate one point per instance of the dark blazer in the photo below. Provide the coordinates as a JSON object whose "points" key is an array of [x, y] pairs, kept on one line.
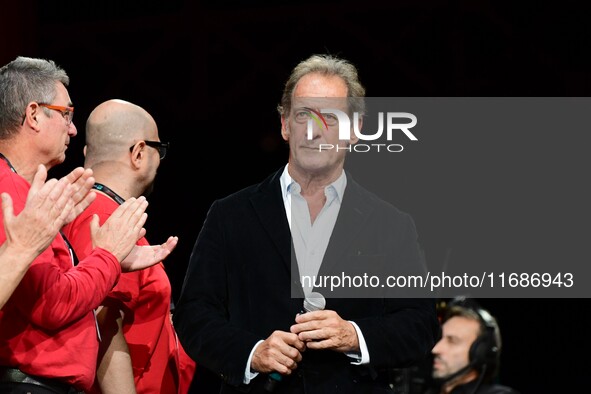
{"points": [[237, 291]]}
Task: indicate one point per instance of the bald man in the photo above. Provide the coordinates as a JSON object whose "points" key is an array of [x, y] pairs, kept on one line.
{"points": [[139, 351]]}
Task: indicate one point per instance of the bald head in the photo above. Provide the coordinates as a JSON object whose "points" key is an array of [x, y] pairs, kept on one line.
{"points": [[113, 126]]}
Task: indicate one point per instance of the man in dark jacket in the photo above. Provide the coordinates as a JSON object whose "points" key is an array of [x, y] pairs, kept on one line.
{"points": [[239, 310]]}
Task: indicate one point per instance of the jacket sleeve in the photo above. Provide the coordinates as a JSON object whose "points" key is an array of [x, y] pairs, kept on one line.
{"points": [[53, 292], [61, 295], [201, 316], [409, 328]]}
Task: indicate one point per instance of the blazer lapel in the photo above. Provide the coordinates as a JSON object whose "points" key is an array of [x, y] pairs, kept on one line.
{"points": [[353, 214], [269, 207]]}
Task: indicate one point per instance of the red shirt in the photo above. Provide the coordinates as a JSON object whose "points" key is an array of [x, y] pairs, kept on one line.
{"points": [[47, 327], [159, 363]]}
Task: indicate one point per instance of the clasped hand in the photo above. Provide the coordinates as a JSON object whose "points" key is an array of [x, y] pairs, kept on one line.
{"points": [[282, 351], [325, 329]]}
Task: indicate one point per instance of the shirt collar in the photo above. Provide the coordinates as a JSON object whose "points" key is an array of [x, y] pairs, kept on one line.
{"points": [[287, 184]]}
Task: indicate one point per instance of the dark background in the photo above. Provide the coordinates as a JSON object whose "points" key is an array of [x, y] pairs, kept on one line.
{"points": [[211, 74]]}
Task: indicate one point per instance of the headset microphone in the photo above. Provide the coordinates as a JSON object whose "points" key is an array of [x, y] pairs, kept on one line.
{"points": [[484, 353], [458, 373]]}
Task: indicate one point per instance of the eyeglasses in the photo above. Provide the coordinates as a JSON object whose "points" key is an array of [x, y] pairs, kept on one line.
{"points": [[67, 112], [161, 146]]}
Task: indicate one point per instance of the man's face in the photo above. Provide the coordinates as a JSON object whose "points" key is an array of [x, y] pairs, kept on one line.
{"points": [[451, 352], [315, 92], [55, 132], [152, 160]]}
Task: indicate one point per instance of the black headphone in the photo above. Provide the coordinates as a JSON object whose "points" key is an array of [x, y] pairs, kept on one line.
{"points": [[485, 351]]}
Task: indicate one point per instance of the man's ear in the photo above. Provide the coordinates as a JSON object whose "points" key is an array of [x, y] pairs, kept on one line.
{"points": [[284, 128], [354, 138], [137, 153], [31, 114]]}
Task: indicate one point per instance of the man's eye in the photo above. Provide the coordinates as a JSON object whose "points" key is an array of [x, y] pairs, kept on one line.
{"points": [[330, 119], [302, 116]]}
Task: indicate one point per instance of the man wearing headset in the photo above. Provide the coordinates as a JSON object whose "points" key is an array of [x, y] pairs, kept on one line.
{"points": [[466, 358]]}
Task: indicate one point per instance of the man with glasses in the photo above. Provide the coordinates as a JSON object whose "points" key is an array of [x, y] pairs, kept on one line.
{"points": [[67, 112], [161, 146], [140, 351], [48, 332], [48, 206]]}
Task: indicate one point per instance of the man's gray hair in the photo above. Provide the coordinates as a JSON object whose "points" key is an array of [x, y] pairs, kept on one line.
{"points": [[24, 80], [327, 65]]}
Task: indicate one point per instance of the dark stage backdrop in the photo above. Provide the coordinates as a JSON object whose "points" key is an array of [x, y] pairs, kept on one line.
{"points": [[211, 74]]}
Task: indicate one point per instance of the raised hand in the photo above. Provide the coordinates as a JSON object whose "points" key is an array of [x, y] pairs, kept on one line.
{"points": [[120, 232], [81, 180], [48, 206], [148, 255]]}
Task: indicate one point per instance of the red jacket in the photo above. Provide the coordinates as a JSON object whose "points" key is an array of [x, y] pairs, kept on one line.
{"points": [[47, 327], [159, 363]]}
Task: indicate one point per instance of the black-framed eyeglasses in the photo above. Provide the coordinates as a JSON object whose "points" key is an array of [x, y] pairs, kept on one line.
{"points": [[161, 146]]}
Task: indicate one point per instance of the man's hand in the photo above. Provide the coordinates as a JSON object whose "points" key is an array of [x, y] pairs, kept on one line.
{"points": [[148, 254], [121, 231], [279, 353], [81, 180], [48, 207], [326, 330]]}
